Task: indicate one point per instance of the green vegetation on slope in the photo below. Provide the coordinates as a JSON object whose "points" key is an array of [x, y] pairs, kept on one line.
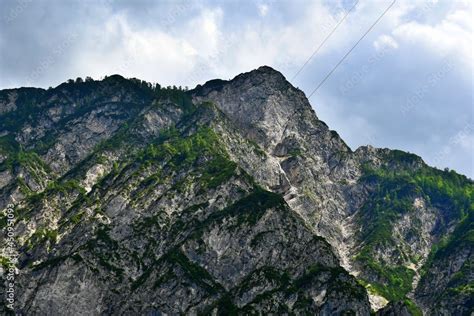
{"points": [[462, 236], [445, 252], [17, 157], [27, 109], [201, 150], [397, 280], [249, 209], [393, 195]]}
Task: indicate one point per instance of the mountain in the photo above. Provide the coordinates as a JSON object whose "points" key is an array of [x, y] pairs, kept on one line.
{"points": [[231, 198]]}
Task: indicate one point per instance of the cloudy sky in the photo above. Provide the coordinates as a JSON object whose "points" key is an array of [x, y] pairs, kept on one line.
{"points": [[408, 84]]}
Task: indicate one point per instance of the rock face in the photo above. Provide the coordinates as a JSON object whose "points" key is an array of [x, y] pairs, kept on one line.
{"points": [[231, 198]]}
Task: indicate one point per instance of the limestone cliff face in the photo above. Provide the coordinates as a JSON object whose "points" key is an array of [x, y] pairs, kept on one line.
{"points": [[229, 198]]}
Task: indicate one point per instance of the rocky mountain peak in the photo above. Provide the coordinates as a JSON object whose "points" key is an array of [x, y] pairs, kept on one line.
{"points": [[262, 102], [231, 198], [264, 73], [257, 77]]}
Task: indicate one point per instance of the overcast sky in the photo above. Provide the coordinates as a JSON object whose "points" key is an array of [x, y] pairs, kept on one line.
{"points": [[407, 85]]}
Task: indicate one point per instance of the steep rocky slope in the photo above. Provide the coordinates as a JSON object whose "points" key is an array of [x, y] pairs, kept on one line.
{"points": [[229, 198]]}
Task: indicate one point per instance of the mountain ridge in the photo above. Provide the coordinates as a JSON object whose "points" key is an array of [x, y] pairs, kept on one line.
{"points": [[125, 152]]}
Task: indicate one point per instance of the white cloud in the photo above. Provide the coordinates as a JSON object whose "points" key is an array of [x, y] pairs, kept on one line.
{"points": [[149, 53], [384, 42], [449, 36], [262, 9]]}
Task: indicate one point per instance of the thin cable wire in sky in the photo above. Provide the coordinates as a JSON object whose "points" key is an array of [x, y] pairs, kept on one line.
{"points": [[324, 41], [347, 54]]}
